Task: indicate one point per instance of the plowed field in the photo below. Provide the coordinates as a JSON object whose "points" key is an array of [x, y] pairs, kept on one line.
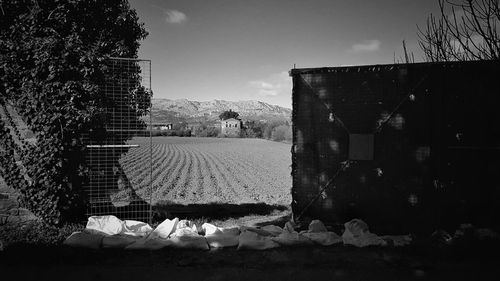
{"points": [[211, 170]]}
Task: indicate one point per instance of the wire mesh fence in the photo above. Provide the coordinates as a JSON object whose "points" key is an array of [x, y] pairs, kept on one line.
{"points": [[118, 146]]}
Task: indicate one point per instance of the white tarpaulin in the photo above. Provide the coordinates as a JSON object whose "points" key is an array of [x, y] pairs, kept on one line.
{"points": [[111, 225], [172, 233], [164, 229]]}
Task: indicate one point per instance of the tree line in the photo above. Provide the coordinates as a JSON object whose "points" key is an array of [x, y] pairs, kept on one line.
{"points": [[276, 130]]}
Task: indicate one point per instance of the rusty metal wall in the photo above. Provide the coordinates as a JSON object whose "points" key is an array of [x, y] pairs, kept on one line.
{"points": [[408, 147]]}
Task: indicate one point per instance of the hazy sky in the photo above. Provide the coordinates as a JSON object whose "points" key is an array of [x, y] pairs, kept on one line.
{"points": [[243, 49]]}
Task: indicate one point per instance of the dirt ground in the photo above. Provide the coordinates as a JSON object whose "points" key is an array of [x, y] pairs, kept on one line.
{"points": [[210, 170], [307, 263]]}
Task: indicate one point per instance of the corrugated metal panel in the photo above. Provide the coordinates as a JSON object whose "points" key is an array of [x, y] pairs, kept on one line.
{"points": [[436, 142]]}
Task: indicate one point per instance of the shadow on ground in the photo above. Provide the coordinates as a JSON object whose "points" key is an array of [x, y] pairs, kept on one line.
{"points": [[215, 211], [288, 263]]}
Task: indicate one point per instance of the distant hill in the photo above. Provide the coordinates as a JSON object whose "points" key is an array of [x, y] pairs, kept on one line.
{"points": [[183, 110]]}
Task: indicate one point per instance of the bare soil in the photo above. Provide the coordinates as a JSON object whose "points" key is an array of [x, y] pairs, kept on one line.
{"points": [[211, 170]]}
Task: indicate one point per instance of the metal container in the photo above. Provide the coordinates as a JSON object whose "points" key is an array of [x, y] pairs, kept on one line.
{"points": [[405, 147]]}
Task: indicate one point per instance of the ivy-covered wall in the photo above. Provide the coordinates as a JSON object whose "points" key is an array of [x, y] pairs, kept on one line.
{"points": [[52, 58]]}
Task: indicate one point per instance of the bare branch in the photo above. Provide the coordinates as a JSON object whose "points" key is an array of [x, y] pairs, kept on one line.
{"points": [[471, 34]]}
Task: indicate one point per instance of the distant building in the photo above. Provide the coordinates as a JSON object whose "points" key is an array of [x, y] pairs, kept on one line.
{"points": [[162, 126], [230, 127]]}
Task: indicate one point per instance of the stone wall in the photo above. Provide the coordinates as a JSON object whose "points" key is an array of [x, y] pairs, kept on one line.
{"points": [[10, 209]]}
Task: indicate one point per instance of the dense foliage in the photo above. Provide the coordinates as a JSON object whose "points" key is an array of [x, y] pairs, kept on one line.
{"points": [[207, 130], [53, 63], [228, 114], [36, 233], [277, 130]]}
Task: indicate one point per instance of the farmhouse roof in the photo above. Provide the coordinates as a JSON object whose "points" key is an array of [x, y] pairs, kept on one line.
{"points": [[232, 120], [161, 124]]}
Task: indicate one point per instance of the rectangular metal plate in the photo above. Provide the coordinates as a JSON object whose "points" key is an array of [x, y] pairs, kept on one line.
{"points": [[361, 146]]}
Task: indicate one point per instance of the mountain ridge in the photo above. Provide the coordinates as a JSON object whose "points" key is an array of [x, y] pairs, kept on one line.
{"points": [[184, 110]]}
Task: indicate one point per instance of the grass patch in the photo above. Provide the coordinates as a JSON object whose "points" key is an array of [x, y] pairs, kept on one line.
{"points": [[36, 233]]}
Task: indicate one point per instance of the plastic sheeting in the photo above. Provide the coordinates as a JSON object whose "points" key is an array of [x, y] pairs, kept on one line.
{"points": [[110, 232], [357, 233], [111, 225], [172, 233]]}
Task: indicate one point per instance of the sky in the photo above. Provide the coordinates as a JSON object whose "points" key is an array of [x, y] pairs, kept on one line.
{"points": [[243, 49]]}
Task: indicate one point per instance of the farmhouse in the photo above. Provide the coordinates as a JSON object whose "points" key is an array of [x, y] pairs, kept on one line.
{"points": [[404, 147], [162, 126], [230, 127]]}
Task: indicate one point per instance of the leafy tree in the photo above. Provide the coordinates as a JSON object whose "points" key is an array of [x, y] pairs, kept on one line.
{"points": [[267, 132], [228, 114], [463, 30], [282, 133], [54, 59], [205, 130], [252, 129]]}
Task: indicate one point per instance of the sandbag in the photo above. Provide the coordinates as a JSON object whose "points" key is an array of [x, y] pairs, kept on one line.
{"points": [[250, 240], [110, 232], [118, 241], [289, 226], [149, 244], [290, 237], [273, 229], [259, 231], [84, 240], [356, 233], [172, 233], [397, 240], [323, 238], [317, 226], [189, 242], [486, 234], [186, 236], [287, 238], [319, 234], [221, 237]]}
